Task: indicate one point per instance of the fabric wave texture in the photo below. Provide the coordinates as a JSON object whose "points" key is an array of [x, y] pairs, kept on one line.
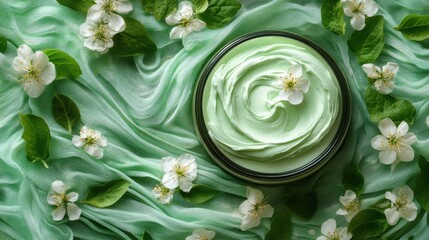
{"points": [[143, 106]]}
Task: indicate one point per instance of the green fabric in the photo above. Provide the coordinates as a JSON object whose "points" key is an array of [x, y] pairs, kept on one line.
{"points": [[143, 106]]}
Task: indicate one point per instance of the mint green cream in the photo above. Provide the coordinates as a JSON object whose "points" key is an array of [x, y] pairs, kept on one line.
{"points": [[254, 129]]}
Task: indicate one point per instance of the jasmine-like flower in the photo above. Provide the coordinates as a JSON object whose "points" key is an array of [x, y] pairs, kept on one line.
{"points": [[384, 77], [104, 10], [351, 205], [91, 140], [254, 208], [357, 10], [201, 234], [402, 205], [98, 36], [184, 21], [394, 144], [331, 232], [34, 70], [163, 194], [58, 197], [293, 87], [179, 172]]}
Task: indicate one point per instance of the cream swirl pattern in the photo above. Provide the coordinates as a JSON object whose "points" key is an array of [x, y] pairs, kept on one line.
{"points": [[240, 108]]}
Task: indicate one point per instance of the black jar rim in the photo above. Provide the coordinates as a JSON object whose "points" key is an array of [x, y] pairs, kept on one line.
{"points": [[281, 177]]}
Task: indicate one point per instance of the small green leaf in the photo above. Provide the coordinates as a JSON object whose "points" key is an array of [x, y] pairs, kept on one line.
{"points": [[353, 179], [281, 226], [219, 12], [133, 41], [106, 194], [163, 8], [65, 111], [65, 66], [367, 224], [304, 205], [148, 6], [78, 5], [382, 106], [3, 44], [200, 6], [199, 194], [415, 27], [421, 190], [147, 236], [333, 16], [368, 43], [37, 138]]}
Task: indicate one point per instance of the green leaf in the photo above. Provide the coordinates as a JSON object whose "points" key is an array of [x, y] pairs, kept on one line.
{"points": [[353, 179], [37, 138], [382, 106], [368, 43], [106, 194], [219, 12], [148, 6], [65, 66], [200, 6], [162, 8], [199, 194], [3, 44], [147, 236], [304, 205], [133, 41], [65, 111], [414, 27], [281, 226], [368, 223], [421, 190], [333, 16], [78, 5]]}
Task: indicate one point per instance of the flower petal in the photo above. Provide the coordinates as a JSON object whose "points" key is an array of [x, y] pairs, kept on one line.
{"points": [[168, 163], [246, 207], [391, 67], [48, 74], [25, 52], [72, 197], [350, 195], [410, 138], [254, 196], [185, 184], [59, 187], [173, 19], [249, 221], [427, 121], [328, 226], [370, 8], [402, 129], [382, 87], [358, 22], [95, 151], [296, 97], [406, 190], [40, 59], [303, 85], [124, 7], [53, 198], [77, 141], [379, 143], [268, 211], [32, 88], [116, 23], [387, 156], [392, 216], [185, 9], [295, 70], [387, 127], [20, 65], [341, 212], [95, 13], [348, 11], [73, 211], [178, 32], [406, 153], [409, 212], [390, 196], [59, 213], [170, 180], [196, 25]]}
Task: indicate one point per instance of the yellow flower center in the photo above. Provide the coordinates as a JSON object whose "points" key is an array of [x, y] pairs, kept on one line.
{"points": [[180, 170], [335, 236], [395, 142], [100, 32], [258, 209], [401, 201], [110, 6], [289, 83], [356, 7], [33, 72], [352, 206], [204, 237]]}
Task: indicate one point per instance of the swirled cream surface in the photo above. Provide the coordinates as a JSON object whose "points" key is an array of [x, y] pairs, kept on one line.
{"points": [[247, 122]]}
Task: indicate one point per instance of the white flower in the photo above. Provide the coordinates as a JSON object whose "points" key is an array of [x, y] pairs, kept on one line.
{"points": [[179, 172], [331, 232], [98, 36], [427, 121], [34, 69], [58, 197], [394, 144], [384, 77], [357, 10], [293, 87], [351, 205], [91, 140], [103, 10], [163, 194], [201, 234], [254, 208], [402, 205], [185, 21]]}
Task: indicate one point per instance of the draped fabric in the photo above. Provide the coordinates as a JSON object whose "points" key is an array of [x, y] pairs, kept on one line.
{"points": [[143, 106]]}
